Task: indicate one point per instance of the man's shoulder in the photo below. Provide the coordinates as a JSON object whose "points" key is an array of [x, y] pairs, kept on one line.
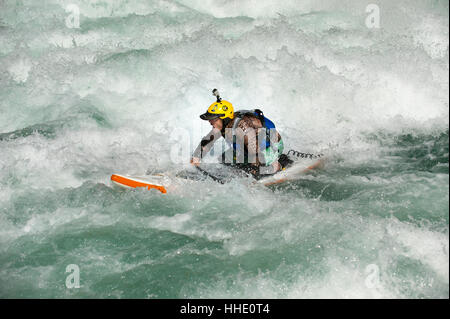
{"points": [[246, 120], [250, 120]]}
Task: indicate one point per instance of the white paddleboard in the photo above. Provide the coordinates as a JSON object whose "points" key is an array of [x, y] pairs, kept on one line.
{"points": [[169, 182], [294, 172]]}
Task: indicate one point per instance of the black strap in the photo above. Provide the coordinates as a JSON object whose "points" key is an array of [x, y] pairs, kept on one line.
{"points": [[261, 117]]}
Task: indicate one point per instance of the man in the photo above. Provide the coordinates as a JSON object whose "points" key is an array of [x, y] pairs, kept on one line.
{"points": [[255, 145]]}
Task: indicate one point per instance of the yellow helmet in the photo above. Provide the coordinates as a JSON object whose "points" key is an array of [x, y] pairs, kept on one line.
{"points": [[222, 109]]}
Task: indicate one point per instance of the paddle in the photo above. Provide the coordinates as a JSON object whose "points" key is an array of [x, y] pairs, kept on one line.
{"points": [[214, 178]]}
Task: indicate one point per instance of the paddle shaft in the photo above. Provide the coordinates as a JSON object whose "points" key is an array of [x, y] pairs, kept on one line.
{"points": [[214, 178]]}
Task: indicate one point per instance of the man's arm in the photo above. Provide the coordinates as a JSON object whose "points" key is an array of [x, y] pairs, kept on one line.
{"points": [[205, 145]]}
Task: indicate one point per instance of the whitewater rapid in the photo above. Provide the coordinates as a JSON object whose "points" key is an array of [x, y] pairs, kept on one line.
{"points": [[122, 91]]}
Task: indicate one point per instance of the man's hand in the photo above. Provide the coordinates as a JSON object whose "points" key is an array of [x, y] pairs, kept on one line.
{"points": [[195, 161]]}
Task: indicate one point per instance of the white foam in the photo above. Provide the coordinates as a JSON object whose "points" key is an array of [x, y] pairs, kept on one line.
{"points": [[20, 69], [312, 67], [429, 247]]}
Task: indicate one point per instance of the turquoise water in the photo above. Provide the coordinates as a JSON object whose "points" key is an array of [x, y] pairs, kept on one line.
{"points": [[122, 94]]}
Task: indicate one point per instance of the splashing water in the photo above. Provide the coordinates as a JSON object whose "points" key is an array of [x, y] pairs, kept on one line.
{"points": [[80, 103]]}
